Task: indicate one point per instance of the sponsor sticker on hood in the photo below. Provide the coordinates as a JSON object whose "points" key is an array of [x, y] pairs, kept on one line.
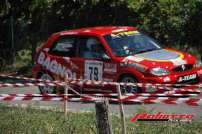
{"points": [[162, 55]]}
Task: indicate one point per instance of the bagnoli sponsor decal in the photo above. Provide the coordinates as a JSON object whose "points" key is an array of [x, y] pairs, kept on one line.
{"points": [[54, 67]]}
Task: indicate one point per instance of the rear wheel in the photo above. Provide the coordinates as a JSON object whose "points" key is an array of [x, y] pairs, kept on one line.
{"points": [[46, 89], [129, 89]]}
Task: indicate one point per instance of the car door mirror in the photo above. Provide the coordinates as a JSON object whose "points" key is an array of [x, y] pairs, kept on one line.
{"points": [[105, 57]]}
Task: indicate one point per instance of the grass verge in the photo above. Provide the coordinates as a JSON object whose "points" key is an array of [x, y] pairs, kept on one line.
{"points": [[15, 120]]}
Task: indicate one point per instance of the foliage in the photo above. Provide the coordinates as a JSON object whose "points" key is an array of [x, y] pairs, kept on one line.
{"points": [[23, 56]]}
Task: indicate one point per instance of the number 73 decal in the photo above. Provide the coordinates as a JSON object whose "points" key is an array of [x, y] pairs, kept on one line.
{"points": [[93, 70]]}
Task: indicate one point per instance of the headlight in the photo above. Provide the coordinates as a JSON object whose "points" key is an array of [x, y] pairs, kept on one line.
{"points": [[159, 71], [198, 64]]}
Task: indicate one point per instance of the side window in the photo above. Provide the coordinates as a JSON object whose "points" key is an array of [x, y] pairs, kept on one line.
{"points": [[90, 47], [64, 46]]}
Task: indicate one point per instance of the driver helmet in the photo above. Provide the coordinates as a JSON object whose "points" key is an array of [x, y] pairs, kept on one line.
{"points": [[91, 43]]}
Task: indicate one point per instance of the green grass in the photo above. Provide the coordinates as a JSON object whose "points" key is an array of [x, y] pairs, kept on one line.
{"points": [[32, 121], [15, 120]]}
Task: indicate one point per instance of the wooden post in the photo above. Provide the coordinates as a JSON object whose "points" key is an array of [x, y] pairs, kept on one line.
{"points": [[102, 116], [65, 97], [121, 109]]}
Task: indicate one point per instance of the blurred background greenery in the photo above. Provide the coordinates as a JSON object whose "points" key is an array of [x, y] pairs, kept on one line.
{"points": [[25, 24]]}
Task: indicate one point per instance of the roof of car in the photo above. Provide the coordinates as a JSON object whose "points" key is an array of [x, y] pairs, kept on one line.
{"points": [[99, 30]]}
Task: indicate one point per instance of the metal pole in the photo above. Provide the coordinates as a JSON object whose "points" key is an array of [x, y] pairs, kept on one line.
{"points": [[121, 109]]}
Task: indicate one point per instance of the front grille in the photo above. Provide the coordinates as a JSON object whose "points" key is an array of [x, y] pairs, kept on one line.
{"points": [[183, 68]]}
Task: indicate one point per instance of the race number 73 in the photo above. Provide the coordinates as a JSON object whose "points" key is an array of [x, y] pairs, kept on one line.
{"points": [[93, 70]]}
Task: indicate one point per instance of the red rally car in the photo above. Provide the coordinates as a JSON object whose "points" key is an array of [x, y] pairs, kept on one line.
{"points": [[112, 53]]}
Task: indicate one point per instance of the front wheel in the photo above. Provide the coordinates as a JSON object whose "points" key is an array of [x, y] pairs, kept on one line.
{"points": [[46, 89], [129, 89]]}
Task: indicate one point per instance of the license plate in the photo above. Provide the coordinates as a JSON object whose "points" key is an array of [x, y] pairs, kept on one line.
{"points": [[187, 77]]}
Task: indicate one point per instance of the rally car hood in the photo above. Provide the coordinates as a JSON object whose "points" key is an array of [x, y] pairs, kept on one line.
{"points": [[160, 55], [166, 58]]}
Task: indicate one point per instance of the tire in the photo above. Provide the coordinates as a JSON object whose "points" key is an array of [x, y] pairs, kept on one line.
{"points": [[46, 89], [129, 89]]}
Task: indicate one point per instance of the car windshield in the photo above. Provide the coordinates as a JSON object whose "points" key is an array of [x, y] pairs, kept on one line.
{"points": [[130, 43]]}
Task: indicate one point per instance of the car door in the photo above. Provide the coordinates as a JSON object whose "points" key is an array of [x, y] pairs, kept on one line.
{"points": [[94, 60], [63, 53]]}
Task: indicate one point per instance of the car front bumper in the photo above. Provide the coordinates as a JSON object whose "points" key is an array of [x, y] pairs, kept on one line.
{"points": [[173, 78]]}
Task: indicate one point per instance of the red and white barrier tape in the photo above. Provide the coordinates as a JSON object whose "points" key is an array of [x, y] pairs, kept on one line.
{"points": [[90, 82], [29, 84], [14, 85], [142, 94], [18, 98], [160, 100], [161, 95], [36, 95], [166, 100], [182, 90], [99, 95], [45, 98], [25, 78], [156, 96]]}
